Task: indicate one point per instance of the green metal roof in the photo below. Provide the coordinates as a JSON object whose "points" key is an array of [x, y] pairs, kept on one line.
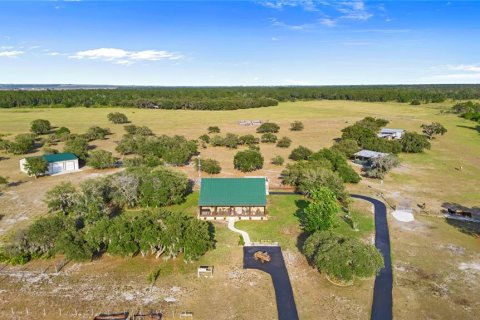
{"points": [[58, 157], [232, 192]]}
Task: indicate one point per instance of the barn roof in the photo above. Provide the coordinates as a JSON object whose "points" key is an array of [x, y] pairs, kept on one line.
{"points": [[370, 154], [389, 130], [232, 192], [58, 157]]}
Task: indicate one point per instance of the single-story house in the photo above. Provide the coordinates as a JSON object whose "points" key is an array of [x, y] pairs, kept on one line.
{"points": [[57, 163], [366, 155], [244, 198], [389, 134]]}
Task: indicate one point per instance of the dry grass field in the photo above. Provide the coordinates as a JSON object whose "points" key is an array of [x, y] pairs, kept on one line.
{"points": [[436, 264]]}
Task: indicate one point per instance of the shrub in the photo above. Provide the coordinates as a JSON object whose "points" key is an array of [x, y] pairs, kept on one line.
{"points": [[268, 138], [3, 180], [347, 147], [133, 129], [277, 160], [62, 133], [373, 124], [337, 162], [340, 257], [78, 146], [284, 142], [296, 126], [101, 159], [231, 141], [380, 166], [413, 142], [248, 160], [321, 212], [36, 166], [210, 166], [248, 139], [162, 188], [117, 117], [268, 127], [308, 176], [300, 153], [205, 138], [213, 129], [217, 141], [40, 126], [96, 133], [415, 102]]}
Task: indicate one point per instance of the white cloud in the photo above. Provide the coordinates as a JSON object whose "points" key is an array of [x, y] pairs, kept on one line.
{"points": [[11, 54], [53, 54], [354, 10], [465, 67], [275, 39], [124, 57], [328, 22], [308, 5], [281, 24]]}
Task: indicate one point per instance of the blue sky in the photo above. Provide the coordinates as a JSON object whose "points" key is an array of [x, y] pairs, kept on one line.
{"points": [[239, 42]]}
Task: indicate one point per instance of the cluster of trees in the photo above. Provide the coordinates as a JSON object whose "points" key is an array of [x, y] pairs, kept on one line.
{"points": [[468, 110], [340, 257], [379, 167], [87, 221], [325, 168], [228, 98], [364, 133], [268, 127], [176, 150], [21, 144]]}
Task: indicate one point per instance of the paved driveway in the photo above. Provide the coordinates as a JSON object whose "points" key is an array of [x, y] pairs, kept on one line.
{"points": [[286, 308], [382, 291]]}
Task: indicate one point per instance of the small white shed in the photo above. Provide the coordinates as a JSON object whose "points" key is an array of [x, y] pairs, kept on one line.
{"points": [[57, 163], [388, 134]]}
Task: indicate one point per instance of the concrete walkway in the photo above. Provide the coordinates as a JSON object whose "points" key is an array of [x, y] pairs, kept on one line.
{"points": [[231, 226]]}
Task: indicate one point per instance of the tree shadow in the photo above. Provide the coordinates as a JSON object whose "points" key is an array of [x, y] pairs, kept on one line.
{"points": [[15, 183], [457, 210], [300, 215], [476, 128], [211, 233]]}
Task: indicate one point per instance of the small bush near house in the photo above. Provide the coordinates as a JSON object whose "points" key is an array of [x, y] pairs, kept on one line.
{"points": [[101, 159], [36, 166]]}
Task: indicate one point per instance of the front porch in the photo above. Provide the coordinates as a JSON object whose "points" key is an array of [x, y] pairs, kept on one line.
{"points": [[241, 213]]}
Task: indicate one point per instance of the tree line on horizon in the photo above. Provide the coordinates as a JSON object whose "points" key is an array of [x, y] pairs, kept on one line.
{"points": [[230, 98]]}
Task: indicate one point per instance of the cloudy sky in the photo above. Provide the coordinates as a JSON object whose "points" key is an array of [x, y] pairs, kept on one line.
{"points": [[304, 42]]}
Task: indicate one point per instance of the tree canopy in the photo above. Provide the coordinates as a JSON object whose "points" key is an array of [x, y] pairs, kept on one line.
{"points": [[248, 160]]}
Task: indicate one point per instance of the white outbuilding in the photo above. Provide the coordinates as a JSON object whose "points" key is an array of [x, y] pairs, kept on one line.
{"points": [[387, 133], [57, 163]]}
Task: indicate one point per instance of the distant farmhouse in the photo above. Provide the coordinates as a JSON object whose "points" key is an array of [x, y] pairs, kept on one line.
{"points": [[391, 134], [244, 198], [367, 155], [57, 163]]}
